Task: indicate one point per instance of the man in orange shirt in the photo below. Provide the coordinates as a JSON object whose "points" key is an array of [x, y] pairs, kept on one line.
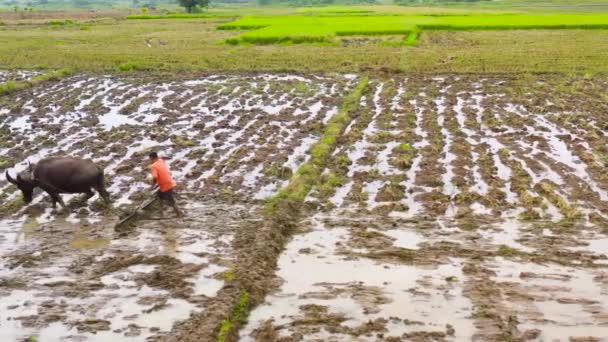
{"points": [[161, 176]]}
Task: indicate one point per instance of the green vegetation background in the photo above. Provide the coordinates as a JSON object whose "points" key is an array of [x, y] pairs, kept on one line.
{"points": [[104, 40]]}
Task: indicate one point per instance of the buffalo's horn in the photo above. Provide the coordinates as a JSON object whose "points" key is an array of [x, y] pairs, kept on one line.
{"points": [[10, 179], [30, 166]]}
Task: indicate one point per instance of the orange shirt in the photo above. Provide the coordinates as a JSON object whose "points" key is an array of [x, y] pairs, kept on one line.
{"points": [[162, 175]]}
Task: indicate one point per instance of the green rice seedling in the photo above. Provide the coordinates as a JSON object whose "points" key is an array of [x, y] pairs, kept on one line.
{"points": [[403, 156], [411, 39], [239, 313], [305, 29], [9, 87]]}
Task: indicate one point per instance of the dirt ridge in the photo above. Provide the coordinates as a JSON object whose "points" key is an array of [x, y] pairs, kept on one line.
{"points": [[260, 245]]}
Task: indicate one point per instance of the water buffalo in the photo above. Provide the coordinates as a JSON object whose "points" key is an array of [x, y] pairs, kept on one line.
{"points": [[61, 175]]}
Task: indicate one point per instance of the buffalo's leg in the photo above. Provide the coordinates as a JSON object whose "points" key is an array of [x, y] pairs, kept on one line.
{"points": [[58, 199], [100, 187], [105, 195], [88, 195]]}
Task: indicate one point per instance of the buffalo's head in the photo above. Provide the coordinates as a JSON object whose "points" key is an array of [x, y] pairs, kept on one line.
{"points": [[25, 182]]}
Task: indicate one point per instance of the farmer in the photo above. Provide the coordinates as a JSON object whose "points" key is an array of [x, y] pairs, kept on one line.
{"points": [[161, 176]]}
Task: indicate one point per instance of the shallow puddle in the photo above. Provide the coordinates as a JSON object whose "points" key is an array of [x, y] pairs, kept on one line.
{"points": [[76, 282], [410, 299]]}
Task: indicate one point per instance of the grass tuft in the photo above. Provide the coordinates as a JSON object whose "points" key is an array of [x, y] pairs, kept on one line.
{"points": [[238, 314], [127, 67], [411, 39]]}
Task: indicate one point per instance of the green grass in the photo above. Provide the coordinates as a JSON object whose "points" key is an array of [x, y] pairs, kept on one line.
{"points": [[411, 38], [305, 29], [194, 45], [528, 51], [127, 67], [238, 314]]}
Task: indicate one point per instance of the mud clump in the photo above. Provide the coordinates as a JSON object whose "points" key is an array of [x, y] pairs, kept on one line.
{"points": [[171, 277], [11, 283], [92, 325]]}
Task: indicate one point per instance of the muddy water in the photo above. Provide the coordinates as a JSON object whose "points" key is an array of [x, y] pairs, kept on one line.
{"points": [[74, 282], [17, 75], [214, 130], [67, 275], [348, 276], [464, 210], [496, 240], [401, 299]]}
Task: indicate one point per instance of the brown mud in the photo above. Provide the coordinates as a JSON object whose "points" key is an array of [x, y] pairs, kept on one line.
{"points": [[493, 216], [453, 208]]}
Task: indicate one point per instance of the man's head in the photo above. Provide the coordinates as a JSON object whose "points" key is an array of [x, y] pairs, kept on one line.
{"points": [[153, 156]]}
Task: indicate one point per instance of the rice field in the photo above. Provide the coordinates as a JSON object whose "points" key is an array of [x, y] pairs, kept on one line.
{"points": [[17, 76], [348, 173], [319, 207], [231, 140], [320, 28], [452, 209]]}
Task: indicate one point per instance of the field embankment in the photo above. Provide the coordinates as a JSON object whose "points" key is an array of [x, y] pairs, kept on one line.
{"points": [[348, 39]]}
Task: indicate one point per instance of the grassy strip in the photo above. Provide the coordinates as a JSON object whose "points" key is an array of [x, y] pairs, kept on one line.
{"points": [[238, 314], [308, 173], [411, 39], [179, 16], [264, 244], [13, 86]]}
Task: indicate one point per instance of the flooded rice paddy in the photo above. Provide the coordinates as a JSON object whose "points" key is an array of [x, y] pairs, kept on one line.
{"points": [[17, 75], [453, 208]]}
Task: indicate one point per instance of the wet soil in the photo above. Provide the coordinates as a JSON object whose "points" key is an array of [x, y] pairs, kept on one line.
{"points": [[231, 140], [484, 222], [233, 136], [453, 208], [74, 282]]}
